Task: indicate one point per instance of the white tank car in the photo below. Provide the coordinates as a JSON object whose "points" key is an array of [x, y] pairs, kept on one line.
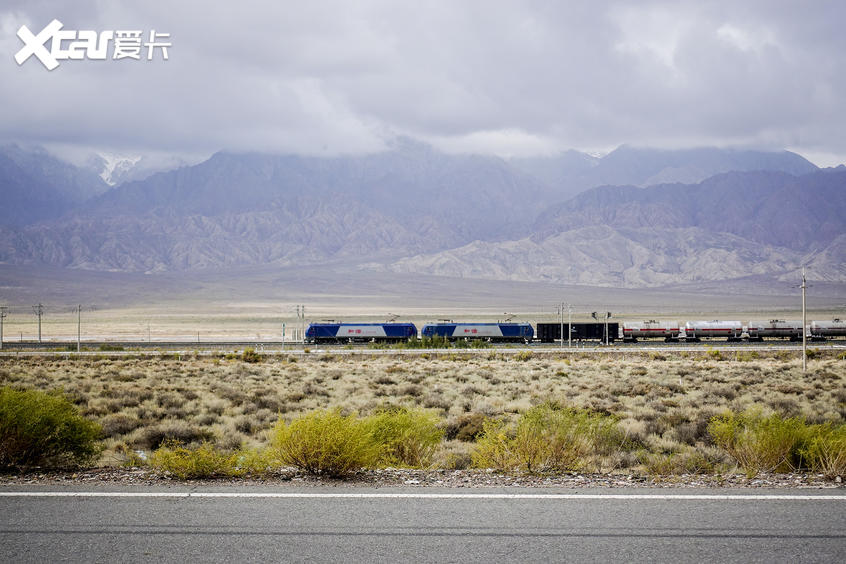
{"points": [[651, 329], [775, 328], [715, 328], [833, 328]]}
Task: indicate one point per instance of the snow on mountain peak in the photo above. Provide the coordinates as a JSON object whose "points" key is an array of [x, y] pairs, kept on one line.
{"points": [[115, 165]]}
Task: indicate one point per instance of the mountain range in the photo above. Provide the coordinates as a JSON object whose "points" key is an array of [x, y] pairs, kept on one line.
{"points": [[635, 217], [34, 186]]}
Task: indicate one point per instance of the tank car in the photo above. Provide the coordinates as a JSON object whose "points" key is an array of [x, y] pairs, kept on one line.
{"points": [[825, 329], [332, 332], [759, 330], [697, 330], [494, 332], [667, 330]]}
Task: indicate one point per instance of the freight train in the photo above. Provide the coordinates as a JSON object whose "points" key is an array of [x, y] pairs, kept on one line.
{"points": [[607, 332]]}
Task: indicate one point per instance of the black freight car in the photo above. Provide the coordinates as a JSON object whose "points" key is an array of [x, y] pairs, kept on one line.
{"points": [[579, 331]]}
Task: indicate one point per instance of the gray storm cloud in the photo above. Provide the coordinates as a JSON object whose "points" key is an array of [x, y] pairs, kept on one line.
{"points": [[493, 77]]}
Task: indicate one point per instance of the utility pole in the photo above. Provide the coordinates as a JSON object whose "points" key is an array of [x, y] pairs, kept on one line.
{"points": [[561, 312], [301, 321], [297, 326], [804, 338], [569, 326], [3, 310], [39, 311], [78, 327], [283, 336]]}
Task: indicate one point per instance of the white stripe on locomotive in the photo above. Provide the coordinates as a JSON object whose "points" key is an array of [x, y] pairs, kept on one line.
{"points": [[472, 331], [360, 331]]}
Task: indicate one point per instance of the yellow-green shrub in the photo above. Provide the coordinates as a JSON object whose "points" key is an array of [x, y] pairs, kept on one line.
{"points": [[494, 447], [255, 461], [204, 461], [759, 443], [250, 355], [325, 443], [42, 429], [824, 449], [524, 356], [405, 437], [547, 438]]}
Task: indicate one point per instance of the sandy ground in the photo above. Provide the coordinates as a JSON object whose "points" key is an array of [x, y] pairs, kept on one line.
{"points": [[253, 304]]}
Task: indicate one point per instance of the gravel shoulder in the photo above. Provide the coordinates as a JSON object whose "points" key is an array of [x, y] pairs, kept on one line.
{"points": [[424, 478]]}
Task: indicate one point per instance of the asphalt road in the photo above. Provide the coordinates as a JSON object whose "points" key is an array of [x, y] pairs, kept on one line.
{"points": [[422, 525]]}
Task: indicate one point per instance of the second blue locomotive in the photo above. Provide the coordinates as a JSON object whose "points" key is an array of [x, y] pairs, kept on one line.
{"points": [[503, 332]]}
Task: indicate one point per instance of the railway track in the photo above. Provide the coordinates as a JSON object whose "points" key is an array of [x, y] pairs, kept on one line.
{"points": [[112, 346], [153, 348]]}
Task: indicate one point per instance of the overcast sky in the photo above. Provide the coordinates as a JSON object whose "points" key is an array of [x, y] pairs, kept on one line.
{"points": [[509, 78]]}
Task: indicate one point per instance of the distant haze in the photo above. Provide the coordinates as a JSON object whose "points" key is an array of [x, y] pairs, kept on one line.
{"points": [[507, 78]]}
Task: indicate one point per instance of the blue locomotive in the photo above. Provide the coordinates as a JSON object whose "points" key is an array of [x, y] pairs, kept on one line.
{"points": [[331, 332], [503, 332]]}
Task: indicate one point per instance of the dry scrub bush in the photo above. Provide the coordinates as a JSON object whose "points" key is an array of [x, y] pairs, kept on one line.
{"points": [[466, 428], [173, 430], [688, 461], [452, 455], [206, 399], [118, 424], [547, 438], [325, 443], [758, 443], [41, 429]]}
